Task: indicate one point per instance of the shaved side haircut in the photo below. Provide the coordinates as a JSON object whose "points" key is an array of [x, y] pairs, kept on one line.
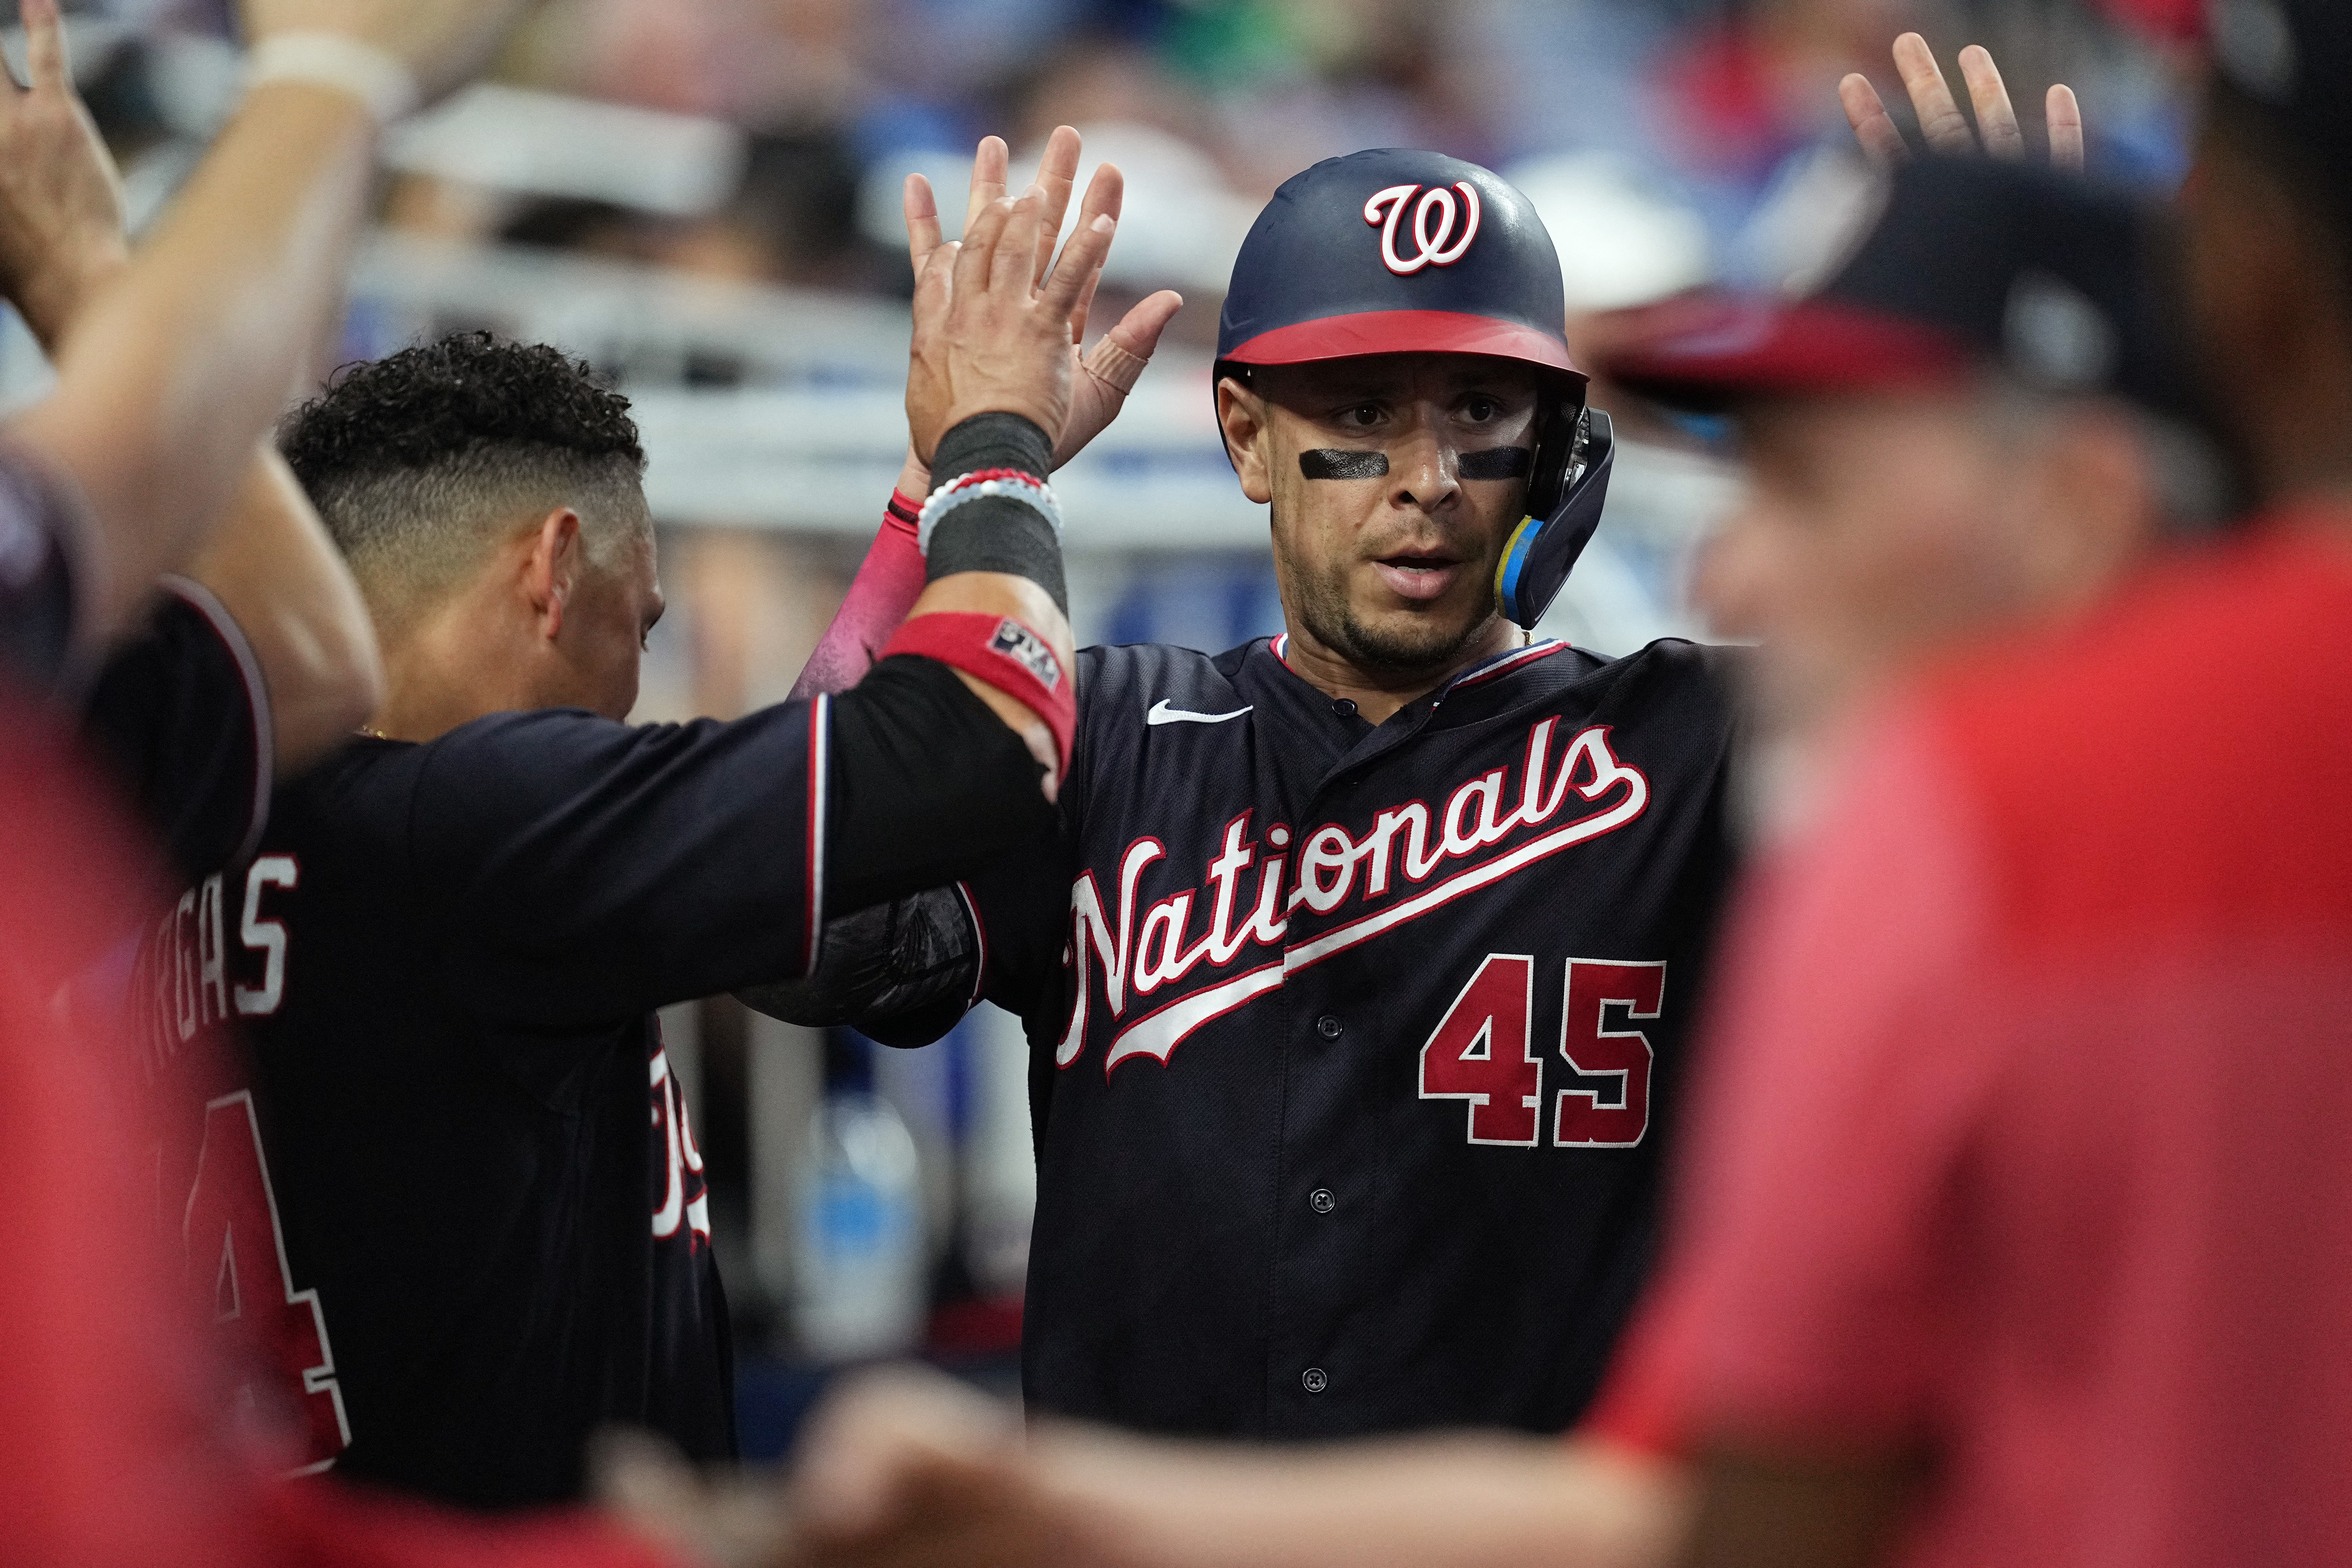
{"points": [[423, 462]]}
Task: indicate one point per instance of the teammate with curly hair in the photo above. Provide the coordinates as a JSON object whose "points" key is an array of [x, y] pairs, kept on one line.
{"points": [[453, 941]]}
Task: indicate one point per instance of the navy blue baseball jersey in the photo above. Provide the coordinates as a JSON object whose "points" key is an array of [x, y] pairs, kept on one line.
{"points": [[1355, 1046], [180, 717], [485, 1166], [487, 1175]]}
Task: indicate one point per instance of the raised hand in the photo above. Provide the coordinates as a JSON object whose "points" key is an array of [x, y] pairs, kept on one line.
{"points": [[60, 200], [1104, 375], [444, 43], [1941, 123], [988, 337]]}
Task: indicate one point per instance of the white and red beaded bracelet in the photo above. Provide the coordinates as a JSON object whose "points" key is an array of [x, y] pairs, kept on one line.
{"points": [[1014, 484]]}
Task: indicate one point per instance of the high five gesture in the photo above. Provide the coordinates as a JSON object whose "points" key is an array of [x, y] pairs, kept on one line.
{"points": [[1942, 124], [991, 335], [1104, 375]]}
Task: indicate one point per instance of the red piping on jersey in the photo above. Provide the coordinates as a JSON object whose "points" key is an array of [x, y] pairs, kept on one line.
{"points": [[980, 935], [1507, 661]]}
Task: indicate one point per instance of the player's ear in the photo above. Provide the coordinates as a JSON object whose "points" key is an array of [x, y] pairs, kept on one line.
{"points": [[552, 569], [1242, 416]]}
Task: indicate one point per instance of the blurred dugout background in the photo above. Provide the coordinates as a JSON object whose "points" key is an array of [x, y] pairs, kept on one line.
{"points": [[702, 198]]}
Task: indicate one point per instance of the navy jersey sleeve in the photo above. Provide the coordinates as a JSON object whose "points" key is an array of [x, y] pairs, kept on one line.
{"points": [[38, 528], [1021, 903], [181, 715], [581, 868], [1021, 907]]}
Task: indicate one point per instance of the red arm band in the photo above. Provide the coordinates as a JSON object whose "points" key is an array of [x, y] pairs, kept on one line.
{"points": [[1007, 654], [887, 585]]}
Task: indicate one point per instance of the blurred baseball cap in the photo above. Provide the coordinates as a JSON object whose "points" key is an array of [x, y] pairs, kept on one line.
{"points": [[1942, 270], [2174, 20]]}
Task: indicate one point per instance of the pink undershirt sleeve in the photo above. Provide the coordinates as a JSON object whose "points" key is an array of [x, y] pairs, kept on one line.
{"points": [[888, 583]]}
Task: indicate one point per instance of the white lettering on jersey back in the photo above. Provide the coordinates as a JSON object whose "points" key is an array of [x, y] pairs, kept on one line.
{"points": [[266, 937], [669, 1114], [182, 973], [1333, 867]]}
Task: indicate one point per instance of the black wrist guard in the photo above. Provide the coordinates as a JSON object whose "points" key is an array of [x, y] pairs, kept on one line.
{"points": [[996, 533]]}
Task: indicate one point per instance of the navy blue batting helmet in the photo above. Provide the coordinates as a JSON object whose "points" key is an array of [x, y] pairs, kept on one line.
{"points": [[1399, 251]]}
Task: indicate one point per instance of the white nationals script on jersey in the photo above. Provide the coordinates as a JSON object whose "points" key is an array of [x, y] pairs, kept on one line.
{"points": [[1136, 958]]}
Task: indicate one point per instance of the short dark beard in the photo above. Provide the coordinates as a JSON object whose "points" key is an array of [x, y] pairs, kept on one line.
{"points": [[1323, 609]]}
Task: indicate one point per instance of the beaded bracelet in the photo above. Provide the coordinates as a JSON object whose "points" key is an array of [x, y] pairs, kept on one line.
{"points": [[1014, 484]]}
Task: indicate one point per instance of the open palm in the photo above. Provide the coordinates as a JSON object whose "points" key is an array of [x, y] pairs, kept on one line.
{"points": [[1100, 378], [1941, 123]]}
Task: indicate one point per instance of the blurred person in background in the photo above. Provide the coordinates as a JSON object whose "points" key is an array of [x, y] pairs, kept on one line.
{"points": [[2018, 1231], [122, 1450], [165, 384], [248, 667]]}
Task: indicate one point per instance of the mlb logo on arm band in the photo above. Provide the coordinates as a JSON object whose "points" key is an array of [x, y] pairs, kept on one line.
{"points": [[1005, 654], [1017, 642]]}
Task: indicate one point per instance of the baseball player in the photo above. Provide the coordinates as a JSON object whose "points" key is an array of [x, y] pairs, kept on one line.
{"points": [[2064, 1012], [1358, 962], [458, 928], [116, 1452], [1930, 464]]}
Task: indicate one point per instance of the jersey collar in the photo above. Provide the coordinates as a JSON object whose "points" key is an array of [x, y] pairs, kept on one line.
{"points": [[1500, 664]]}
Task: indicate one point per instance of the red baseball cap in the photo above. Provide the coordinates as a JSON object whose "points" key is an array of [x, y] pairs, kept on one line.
{"points": [[1953, 266]]}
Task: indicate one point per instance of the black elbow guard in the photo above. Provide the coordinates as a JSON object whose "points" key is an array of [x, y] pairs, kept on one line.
{"points": [[901, 972]]}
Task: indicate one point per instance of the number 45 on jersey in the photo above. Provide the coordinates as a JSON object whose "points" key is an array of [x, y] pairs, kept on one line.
{"points": [[1483, 1051]]}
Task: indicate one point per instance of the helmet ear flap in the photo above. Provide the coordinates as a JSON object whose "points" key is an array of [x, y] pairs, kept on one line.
{"points": [[1560, 437], [1547, 543]]}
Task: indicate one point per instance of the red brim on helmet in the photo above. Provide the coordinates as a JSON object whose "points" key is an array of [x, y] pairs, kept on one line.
{"points": [[1404, 332]]}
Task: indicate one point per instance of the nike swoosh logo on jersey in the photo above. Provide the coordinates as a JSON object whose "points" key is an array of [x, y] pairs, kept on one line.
{"points": [[1161, 714]]}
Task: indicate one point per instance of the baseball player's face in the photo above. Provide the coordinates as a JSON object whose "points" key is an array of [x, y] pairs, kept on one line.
{"points": [[1878, 530], [1395, 481]]}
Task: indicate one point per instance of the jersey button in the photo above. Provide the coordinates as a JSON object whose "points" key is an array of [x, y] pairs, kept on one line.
{"points": [[1344, 707], [1314, 1380], [1322, 1201], [1328, 1027]]}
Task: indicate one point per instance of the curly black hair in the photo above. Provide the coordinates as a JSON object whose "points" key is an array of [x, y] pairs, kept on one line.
{"points": [[417, 460], [439, 401]]}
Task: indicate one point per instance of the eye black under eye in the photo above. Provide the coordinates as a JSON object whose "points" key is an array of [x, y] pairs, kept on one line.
{"points": [[1496, 463]]}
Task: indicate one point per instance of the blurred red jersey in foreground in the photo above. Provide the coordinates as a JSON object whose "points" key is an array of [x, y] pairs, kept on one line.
{"points": [[2024, 1138]]}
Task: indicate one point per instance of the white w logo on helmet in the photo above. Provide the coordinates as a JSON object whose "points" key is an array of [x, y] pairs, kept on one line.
{"points": [[1435, 243]]}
